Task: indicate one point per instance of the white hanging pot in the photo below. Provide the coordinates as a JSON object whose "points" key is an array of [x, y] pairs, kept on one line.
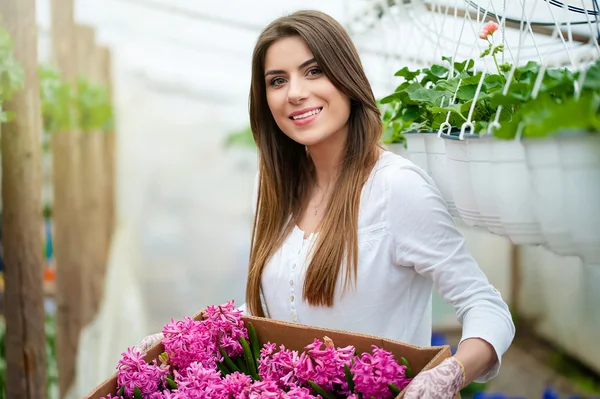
{"points": [[460, 177], [580, 168], [547, 190], [479, 150], [511, 182], [415, 146], [437, 166], [397, 148]]}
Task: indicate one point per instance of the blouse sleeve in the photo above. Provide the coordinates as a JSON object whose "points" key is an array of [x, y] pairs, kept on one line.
{"points": [[425, 238]]}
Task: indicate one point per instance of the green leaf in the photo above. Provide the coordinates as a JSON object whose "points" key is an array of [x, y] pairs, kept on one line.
{"points": [[320, 390], [439, 71], [428, 96], [349, 378], [137, 394], [172, 384], [466, 93], [509, 100], [409, 372], [402, 86], [531, 68], [411, 113], [454, 108], [543, 116], [407, 73], [391, 98], [592, 77], [465, 66], [494, 82], [395, 390], [507, 129]]}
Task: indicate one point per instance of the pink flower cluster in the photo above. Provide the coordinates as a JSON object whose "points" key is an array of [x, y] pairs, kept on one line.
{"points": [[217, 358], [488, 29], [188, 340]]}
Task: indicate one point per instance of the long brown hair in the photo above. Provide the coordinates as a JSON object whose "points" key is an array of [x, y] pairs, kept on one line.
{"points": [[286, 173]]}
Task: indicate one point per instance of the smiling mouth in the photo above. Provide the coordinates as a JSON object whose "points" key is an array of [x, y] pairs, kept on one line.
{"points": [[306, 114]]}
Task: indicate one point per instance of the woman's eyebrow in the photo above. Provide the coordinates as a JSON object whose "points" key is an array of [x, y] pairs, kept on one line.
{"points": [[280, 71]]}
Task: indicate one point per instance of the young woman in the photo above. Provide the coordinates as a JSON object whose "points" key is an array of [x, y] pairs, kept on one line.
{"points": [[346, 235]]}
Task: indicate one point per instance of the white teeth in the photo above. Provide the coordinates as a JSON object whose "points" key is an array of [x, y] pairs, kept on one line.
{"points": [[307, 114]]}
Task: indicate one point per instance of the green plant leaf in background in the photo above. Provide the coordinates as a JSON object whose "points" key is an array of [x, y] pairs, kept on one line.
{"points": [[240, 138], [93, 106], [11, 73], [57, 98]]}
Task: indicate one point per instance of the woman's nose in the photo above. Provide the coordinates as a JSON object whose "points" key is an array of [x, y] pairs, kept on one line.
{"points": [[297, 91]]}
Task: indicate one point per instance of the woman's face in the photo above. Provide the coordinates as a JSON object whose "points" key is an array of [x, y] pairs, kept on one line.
{"points": [[306, 106]]}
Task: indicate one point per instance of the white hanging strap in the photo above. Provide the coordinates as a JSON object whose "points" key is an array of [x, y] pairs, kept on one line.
{"points": [[524, 16], [560, 34], [593, 34], [446, 124], [440, 32], [496, 124]]}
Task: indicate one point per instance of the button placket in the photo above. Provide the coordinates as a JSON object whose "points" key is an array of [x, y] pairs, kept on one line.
{"points": [[293, 273]]}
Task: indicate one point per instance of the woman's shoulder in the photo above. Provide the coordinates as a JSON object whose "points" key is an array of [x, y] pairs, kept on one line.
{"points": [[396, 172]]}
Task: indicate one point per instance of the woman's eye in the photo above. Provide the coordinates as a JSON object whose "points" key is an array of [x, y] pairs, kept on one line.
{"points": [[314, 71], [277, 81]]}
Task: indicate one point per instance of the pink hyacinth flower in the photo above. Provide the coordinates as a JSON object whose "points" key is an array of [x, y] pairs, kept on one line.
{"points": [[135, 372], [488, 29]]}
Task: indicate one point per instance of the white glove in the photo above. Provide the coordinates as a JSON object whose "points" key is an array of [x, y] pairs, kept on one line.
{"points": [[148, 342]]}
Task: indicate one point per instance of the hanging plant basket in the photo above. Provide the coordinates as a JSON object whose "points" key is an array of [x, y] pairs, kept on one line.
{"points": [[565, 185], [397, 148], [479, 150], [415, 149], [511, 183], [543, 157], [459, 173], [437, 166]]}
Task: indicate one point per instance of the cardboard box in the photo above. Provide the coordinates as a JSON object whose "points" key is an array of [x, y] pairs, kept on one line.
{"points": [[297, 336]]}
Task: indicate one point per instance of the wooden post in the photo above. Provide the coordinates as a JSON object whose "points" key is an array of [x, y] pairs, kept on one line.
{"points": [[67, 204], [92, 186], [109, 148], [22, 214]]}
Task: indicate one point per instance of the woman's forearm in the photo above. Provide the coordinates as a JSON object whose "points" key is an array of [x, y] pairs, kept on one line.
{"points": [[477, 356]]}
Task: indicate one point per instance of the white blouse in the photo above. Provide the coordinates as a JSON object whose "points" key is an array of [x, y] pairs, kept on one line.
{"points": [[407, 245]]}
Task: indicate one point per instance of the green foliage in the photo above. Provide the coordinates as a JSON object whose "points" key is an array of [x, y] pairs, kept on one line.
{"points": [[57, 98], [423, 101], [240, 138], [63, 108], [11, 73], [93, 106]]}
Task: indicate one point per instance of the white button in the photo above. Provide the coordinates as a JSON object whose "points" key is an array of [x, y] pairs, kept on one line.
{"points": [[294, 266], [291, 282], [291, 298], [294, 316]]}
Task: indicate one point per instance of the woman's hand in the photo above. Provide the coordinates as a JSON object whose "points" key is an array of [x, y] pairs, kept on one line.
{"points": [[473, 358], [441, 382], [148, 342]]}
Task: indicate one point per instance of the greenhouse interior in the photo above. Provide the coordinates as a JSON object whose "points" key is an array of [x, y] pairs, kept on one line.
{"points": [[129, 171]]}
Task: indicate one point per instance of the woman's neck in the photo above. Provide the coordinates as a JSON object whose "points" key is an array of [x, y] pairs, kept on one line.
{"points": [[326, 157]]}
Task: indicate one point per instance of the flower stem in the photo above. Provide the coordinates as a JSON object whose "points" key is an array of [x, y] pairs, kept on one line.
{"points": [[497, 66]]}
